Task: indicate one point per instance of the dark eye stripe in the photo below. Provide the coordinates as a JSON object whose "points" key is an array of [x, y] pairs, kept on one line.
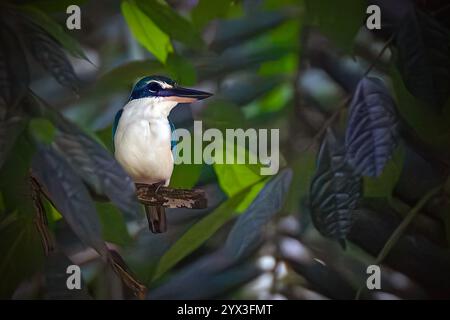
{"points": [[154, 86]]}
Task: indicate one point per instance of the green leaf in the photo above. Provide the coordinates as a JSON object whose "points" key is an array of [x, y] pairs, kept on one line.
{"points": [[181, 70], [122, 78], [56, 31], [233, 178], [339, 20], [199, 233], [146, 31], [236, 31], [20, 249], [10, 129], [303, 168], [384, 185], [431, 126], [42, 130], [170, 22], [185, 175], [14, 183], [114, 228], [207, 10]]}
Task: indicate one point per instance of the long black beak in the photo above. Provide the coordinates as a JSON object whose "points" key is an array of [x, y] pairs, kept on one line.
{"points": [[184, 95]]}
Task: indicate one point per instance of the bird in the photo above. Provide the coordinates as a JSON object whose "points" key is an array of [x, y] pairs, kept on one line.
{"points": [[142, 135]]}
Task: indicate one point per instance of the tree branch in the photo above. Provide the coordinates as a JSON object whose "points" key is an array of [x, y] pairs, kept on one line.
{"points": [[152, 195]]}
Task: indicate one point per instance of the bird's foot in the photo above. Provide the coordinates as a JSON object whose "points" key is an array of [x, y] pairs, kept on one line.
{"points": [[159, 185]]}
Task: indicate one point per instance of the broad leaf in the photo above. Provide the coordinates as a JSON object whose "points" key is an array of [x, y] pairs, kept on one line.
{"points": [[198, 234], [20, 249], [339, 20], [146, 31], [114, 228], [54, 29], [14, 74], [9, 131], [383, 186], [207, 10], [170, 22], [334, 191], [424, 57], [240, 59], [49, 54], [99, 169], [236, 31], [248, 231], [181, 70], [70, 197], [371, 135], [209, 277]]}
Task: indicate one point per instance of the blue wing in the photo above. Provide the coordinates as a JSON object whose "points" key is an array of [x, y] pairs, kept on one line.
{"points": [[116, 123], [173, 141]]}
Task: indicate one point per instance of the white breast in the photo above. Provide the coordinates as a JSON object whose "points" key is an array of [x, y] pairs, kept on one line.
{"points": [[143, 142]]}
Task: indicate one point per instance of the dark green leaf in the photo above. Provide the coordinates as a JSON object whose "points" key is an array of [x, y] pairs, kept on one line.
{"points": [[14, 74], [371, 135], [9, 131], [335, 190], [339, 20], [70, 197], [55, 30], [239, 59], [235, 32], [198, 234], [383, 186], [122, 78], [49, 54], [98, 168], [207, 10], [248, 231], [42, 130], [114, 228], [181, 70], [20, 249], [424, 57], [209, 277]]}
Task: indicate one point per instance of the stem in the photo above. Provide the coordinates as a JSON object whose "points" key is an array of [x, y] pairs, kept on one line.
{"points": [[400, 230]]}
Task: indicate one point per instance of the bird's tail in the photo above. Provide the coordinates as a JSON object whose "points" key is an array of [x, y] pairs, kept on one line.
{"points": [[156, 217]]}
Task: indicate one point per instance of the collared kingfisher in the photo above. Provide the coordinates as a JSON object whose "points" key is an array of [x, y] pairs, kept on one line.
{"points": [[142, 135]]}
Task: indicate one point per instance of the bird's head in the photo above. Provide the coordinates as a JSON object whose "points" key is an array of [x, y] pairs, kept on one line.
{"points": [[163, 89]]}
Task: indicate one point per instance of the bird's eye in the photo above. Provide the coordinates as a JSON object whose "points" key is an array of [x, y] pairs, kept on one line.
{"points": [[154, 87]]}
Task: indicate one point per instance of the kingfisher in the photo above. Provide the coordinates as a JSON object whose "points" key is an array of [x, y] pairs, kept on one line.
{"points": [[142, 135]]}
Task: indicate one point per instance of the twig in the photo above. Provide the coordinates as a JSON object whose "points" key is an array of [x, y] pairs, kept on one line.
{"points": [[400, 230]]}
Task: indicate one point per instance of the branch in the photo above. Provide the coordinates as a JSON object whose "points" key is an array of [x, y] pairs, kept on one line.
{"points": [[152, 195], [400, 231]]}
